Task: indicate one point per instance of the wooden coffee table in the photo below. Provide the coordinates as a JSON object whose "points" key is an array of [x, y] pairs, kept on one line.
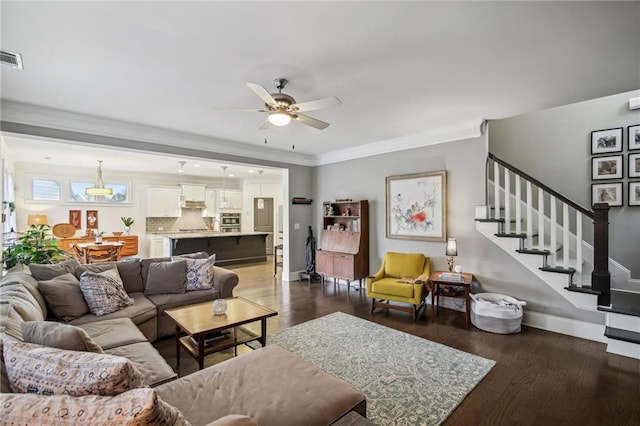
{"points": [[207, 333]]}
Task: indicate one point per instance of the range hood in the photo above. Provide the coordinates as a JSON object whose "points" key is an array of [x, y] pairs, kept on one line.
{"points": [[194, 205]]}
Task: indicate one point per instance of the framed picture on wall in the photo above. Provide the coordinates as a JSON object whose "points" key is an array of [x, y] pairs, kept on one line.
{"points": [[634, 193], [75, 218], [608, 140], [609, 167], [416, 206], [634, 165], [634, 137], [92, 219], [607, 193]]}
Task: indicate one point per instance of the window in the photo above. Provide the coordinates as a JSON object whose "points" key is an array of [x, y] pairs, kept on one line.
{"points": [[45, 190], [78, 193]]}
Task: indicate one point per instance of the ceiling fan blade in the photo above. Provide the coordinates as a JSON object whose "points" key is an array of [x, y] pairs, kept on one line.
{"points": [[309, 121], [317, 104], [262, 93], [267, 124], [240, 109]]}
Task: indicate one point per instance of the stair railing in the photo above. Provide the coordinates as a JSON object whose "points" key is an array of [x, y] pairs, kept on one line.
{"points": [[503, 196]]}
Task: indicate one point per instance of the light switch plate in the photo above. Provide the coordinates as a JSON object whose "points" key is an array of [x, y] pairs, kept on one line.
{"points": [[296, 226]]}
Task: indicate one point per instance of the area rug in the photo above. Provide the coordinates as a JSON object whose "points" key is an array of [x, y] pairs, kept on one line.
{"points": [[407, 380]]}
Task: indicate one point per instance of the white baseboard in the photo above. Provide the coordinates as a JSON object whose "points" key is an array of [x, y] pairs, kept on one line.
{"points": [[570, 327], [619, 347]]}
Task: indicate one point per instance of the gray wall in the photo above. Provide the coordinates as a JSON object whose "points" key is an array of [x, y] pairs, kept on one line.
{"points": [[554, 146], [464, 162]]}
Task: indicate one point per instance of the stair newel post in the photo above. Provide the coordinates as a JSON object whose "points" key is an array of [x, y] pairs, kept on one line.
{"points": [[496, 191], [600, 277]]}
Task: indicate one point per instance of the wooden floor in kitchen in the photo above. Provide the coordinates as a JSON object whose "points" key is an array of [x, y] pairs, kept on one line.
{"points": [[540, 378]]}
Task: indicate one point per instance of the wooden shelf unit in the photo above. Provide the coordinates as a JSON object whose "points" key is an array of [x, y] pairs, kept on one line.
{"points": [[344, 248]]}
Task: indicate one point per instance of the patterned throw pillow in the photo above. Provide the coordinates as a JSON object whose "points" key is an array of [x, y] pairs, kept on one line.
{"points": [[42, 370], [135, 407], [200, 273], [104, 291]]}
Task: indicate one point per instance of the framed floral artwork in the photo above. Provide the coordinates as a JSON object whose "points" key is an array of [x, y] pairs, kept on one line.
{"points": [[92, 219], [416, 206]]}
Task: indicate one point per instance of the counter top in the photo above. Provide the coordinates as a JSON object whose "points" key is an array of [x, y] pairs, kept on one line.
{"points": [[211, 234]]}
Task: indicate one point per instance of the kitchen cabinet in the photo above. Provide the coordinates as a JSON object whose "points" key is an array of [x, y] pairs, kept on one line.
{"points": [[163, 202], [233, 199], [193, 192], [156, 246]]}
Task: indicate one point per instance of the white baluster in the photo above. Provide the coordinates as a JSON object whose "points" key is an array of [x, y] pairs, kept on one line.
{"points": [[496, 191], [565, 235], [507, 202], [529, 217], [579, 247], [518, 206], [553, 231], [540, 219]]}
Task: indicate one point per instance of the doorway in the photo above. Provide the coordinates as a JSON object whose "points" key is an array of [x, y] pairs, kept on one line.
{"points": [[263, 219]]}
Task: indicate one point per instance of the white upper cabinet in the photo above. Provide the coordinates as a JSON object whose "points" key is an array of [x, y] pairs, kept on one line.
{"points": [[232, 197], [193, 192], [163, 202], [210, 200]]}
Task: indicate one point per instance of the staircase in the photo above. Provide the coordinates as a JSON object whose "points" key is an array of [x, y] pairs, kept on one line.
{"points": [[543, 230]]}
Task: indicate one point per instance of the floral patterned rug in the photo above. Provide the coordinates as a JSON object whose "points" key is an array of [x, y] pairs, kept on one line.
{"points": [[407, 380]]}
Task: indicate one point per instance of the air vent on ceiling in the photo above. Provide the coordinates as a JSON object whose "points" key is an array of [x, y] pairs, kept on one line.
{"points": [[14, 60]]}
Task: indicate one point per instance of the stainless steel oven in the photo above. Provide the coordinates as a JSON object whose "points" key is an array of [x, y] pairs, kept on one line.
{"points": [[230, 222]]}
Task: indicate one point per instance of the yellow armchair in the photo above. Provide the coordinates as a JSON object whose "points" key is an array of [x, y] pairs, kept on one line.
{"points": [[401, 278]]}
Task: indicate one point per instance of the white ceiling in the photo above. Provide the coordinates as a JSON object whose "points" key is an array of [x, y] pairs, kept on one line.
{"points": [[399, 68]]}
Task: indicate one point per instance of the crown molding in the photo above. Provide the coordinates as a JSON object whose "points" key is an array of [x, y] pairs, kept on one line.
{"points": [[471, 129], [34, 115]]}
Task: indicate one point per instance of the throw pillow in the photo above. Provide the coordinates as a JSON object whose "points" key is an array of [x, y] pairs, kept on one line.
{"points": [[58, 335], [167, 277], [49, 371], [104, 292], [43, 272], [135, 407], [200, 273], [64, 297]]}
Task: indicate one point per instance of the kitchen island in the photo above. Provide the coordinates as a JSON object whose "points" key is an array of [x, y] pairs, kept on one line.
{"points": [[229, 247]]}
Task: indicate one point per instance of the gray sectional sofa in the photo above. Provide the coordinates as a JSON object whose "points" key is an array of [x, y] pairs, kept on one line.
{"points": [[269, 386]]}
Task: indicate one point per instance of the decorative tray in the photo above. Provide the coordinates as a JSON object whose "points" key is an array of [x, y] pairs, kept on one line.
{"points": [[63, 230]]}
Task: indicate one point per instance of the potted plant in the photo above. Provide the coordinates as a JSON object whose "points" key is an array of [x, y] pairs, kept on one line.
{"points": [[127, 221], [34, 246]]}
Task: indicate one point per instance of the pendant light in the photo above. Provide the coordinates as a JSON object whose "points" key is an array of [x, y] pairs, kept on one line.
{"points": [[260, 200], [182, 200], [99, 189], [223, 203]]}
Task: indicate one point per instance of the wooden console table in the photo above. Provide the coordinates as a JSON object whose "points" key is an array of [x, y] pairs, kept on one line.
{"points": [[129, 247]]}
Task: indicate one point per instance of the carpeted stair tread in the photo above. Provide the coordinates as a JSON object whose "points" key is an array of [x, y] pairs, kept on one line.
{"points": [[624, 335], [558, 270], [534, 251], [623, 302], [586, 290]]}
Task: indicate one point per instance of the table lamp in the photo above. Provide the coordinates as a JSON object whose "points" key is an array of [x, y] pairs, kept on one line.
{"points": [[452, 250], [37, 219]]}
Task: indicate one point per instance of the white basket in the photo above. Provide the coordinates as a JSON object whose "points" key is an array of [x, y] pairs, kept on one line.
{"points": [[496, 313]]}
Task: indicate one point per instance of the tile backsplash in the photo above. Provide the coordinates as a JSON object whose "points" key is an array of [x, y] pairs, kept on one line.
{"points": [[190, 219]]}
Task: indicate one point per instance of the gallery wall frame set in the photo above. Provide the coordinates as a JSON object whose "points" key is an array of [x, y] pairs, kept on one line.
{"points": [[608, 167], [607, 193], [416, 206], [606, 141], [634, 194], [633, 137]]}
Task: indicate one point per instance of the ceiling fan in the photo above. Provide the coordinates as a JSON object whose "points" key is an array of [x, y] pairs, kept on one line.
{"points": [[282, 108]]}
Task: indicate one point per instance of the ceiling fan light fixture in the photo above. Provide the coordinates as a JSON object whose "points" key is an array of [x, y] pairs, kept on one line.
{"points": [[279, 118]]}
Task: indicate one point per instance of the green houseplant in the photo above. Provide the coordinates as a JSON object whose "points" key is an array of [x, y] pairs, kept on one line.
{"points": [[35, 245], [127, 221]]}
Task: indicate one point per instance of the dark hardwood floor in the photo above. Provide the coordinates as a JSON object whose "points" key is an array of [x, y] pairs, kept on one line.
{"points": [[540, 378]]}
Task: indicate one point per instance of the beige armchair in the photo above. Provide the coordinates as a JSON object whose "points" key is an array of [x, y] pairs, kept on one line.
{"points": [[401, 278]]}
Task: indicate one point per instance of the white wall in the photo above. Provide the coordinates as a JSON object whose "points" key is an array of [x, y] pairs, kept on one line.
{"points": [[464, 162]]}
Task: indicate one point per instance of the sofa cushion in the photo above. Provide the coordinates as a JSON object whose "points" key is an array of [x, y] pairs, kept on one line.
{"points": [[64, 297], [144, 266], [200, 273], [130, 273], [104, 291], [10, 321], [259, 384], [44, 272], [195, 255], [169, 301], [49, 371], [141, 311], [22, 300], [233, 420], [391, 286], [166, 277], [135, 407], [30, 283], [58, 335], [151, 364], [113, 332]]}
